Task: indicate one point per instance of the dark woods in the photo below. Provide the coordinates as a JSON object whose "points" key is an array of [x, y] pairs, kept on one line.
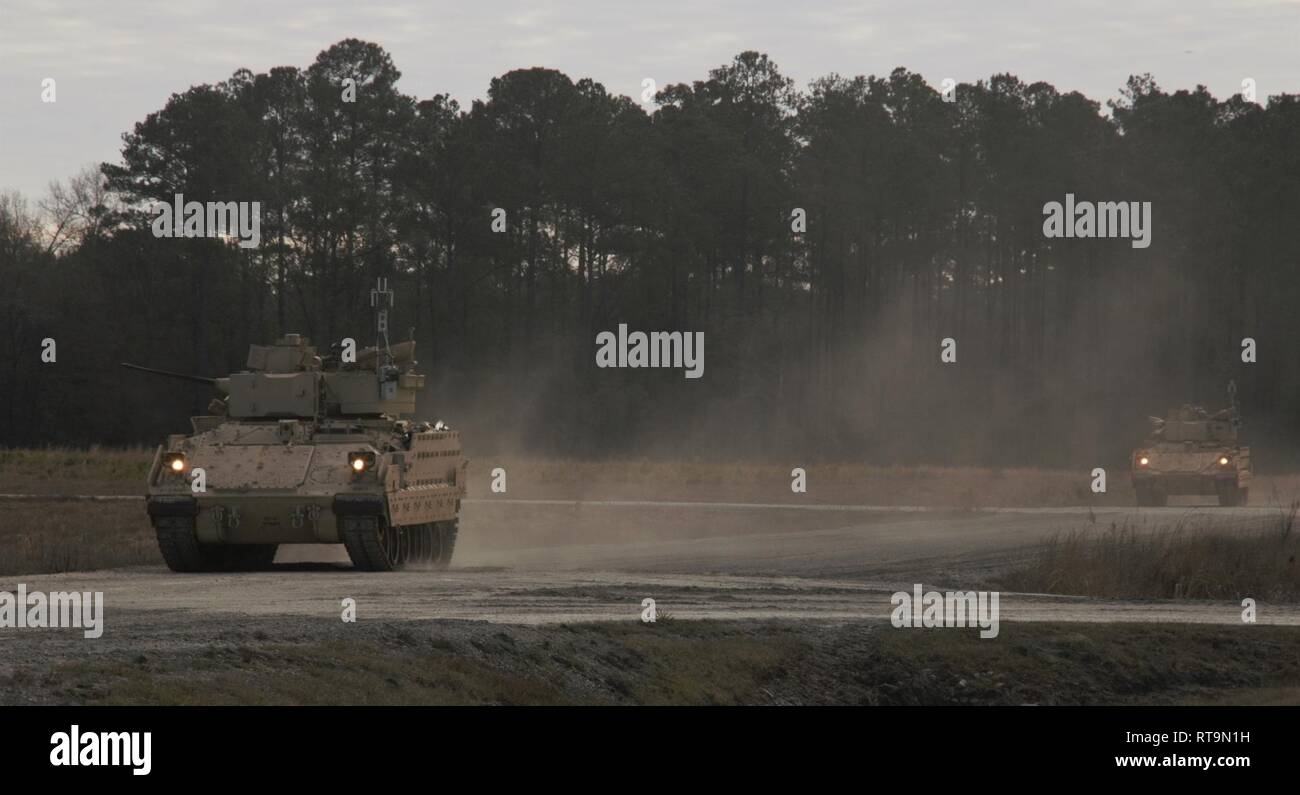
{"points": [[924, 222]]}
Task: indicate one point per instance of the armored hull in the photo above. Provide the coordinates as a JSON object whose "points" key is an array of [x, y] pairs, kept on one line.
{"points": [[241, 486], [305, 449], [1193, 452]]}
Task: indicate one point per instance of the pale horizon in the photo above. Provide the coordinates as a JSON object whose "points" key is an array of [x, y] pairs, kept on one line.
{"points": [[115, 64]]}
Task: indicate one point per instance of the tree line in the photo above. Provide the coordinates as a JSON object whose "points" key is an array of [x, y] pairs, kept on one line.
{"points": [[825, 239]]}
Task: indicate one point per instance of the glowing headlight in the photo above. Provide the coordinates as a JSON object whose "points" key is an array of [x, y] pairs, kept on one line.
{"points": [[361, 462], [1143, 461], [1223, 460], [174, 462]]}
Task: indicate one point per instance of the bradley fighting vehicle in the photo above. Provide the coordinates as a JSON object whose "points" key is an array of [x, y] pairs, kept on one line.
{"points": [[1192, 451], [305, 449]]}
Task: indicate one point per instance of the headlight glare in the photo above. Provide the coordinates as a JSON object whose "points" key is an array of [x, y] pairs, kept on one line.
{"points": [[361, 462]]}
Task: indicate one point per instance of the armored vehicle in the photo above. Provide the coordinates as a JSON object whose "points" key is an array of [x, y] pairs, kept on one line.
{"points": [[309, 449], [1193, 451]]}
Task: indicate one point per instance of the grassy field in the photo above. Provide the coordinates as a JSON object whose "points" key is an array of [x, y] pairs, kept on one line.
{"points": [[702, 662], [67, 471], [1171, 562], [44, 537]]}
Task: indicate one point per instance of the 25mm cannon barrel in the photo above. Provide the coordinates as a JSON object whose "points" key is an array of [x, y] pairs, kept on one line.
{"points": [[198, 379]]}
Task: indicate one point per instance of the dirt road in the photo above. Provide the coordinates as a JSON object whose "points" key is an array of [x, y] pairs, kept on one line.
{"points": [[539, 561]]}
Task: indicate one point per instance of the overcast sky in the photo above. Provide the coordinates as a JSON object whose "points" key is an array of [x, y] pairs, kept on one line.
{"points": [[115, 62]]}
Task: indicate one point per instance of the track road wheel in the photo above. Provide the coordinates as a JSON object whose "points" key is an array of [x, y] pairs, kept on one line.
{"points": [[373, 545], [444, 533], [1143, 495], [181, 549], [1229, 495], [1149, 496]]}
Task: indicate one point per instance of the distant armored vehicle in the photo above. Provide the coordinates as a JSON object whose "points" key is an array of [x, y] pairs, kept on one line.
{"points": [[305, 449], [1192, 451]]}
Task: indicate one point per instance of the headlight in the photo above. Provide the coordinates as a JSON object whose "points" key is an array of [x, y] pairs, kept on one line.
{"points": [[174, 463], [1223, 460], [361, 462], [1143, 461]]}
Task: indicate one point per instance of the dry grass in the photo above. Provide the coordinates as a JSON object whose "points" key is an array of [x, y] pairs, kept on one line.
{"points": [[310, 675], [827, 483], [45, 537], [695, 662], [62, 470], [1177, 561]]}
